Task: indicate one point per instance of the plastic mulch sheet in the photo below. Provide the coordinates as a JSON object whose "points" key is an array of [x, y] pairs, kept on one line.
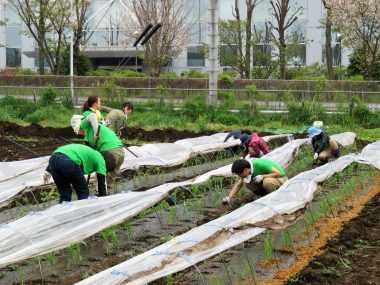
{"points": [[16, 176], [276, 210], [62, 225]]}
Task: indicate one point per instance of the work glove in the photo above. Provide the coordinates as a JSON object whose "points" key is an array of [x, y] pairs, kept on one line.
{"points": [[227, 201], [46, 177], [258, 178], [315, 156]]}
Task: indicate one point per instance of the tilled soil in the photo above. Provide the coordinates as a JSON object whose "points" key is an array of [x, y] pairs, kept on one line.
{"points": [[24, 142], [352, 257]]}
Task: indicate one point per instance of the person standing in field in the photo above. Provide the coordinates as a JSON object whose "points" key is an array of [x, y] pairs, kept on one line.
{"points": [[117, 119], [69, 163]]}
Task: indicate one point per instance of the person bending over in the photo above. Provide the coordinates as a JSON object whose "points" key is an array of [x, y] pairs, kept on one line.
{"points": [[69, 163], [324, 146], [261, 176], [253, 145], [117, 119]]}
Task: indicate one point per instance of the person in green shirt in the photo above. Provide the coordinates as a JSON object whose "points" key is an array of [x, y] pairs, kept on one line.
{"points": [[117, 119], [101, 138], [69, 163], [257, 175]]}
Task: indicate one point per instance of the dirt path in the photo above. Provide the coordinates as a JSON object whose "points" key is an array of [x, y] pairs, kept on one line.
{"points": [[353, 257]]}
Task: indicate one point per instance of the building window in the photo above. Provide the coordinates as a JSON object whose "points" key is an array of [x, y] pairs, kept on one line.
{"points": [[262, 55], [336, 52], [13, 57], [227, 55], [195, 56], [296, 54], [12, 36]]}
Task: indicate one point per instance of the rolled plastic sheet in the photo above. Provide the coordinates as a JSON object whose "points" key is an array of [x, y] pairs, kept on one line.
{"points": [[276, 210], [64, 224], [16, 176]]}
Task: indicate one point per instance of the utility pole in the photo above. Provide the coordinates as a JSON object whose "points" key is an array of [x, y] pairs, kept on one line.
{"points": [[213, 56], [72, 60]]}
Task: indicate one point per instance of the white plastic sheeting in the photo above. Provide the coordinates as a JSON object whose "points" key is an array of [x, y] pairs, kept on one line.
{"points": [[61, 225], [276, 210], [16, 176]]}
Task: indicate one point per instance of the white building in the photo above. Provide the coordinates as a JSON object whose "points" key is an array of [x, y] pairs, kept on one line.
{"points": [[17, 49]]}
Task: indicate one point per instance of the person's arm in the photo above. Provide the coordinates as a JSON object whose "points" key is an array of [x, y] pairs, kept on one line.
{"points": [[236, 188], [102, 185], [105, 109], [228, 136], [275, 173], [263, 146], [93, 120], [324, 142]]}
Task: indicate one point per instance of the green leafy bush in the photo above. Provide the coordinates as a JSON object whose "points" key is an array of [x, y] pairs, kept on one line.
{"points": [[18, 108], [226, 80], [126, 73], [169, 75], [195, 105], [227, 98], [26, 71], [194, 74], [48, 96]]}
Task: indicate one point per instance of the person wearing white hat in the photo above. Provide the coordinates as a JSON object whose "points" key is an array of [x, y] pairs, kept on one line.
{"points": [[324, 146]]}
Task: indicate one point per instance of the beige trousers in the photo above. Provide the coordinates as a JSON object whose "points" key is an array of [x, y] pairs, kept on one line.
{"points": [[324, 155], [118, 154], [268, 184]]}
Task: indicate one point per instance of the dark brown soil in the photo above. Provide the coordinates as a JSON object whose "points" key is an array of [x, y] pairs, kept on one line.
{"points": [[34, 140], [353, 257], [44, 140]]}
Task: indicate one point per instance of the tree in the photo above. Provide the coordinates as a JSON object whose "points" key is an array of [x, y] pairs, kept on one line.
{"points": [[237, 35], [281, 9], [79, 27], [359, 24], [168, 41], [329, 53]]}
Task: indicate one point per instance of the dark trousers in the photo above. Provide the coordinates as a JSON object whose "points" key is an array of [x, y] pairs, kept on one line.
{"points": [[66, 173]]}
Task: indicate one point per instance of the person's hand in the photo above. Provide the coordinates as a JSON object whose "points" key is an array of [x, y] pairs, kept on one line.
{"points": [[258, 178], [96, 137], [315, 156], [227, 201], [46, 177]]}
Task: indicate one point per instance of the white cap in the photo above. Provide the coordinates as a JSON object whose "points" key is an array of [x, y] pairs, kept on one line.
{"points": [[318, 124]]}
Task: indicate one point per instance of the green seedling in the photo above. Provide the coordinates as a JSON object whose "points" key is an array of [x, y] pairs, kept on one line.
{"points": [[127, 227], [166, 238], [22, 276], [172, 214], [169, 279], [225, 267], [52, 259], [73, 253], [268, 249]]}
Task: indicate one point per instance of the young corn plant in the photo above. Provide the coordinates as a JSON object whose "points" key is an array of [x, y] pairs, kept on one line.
{"points": [[73, 253]]}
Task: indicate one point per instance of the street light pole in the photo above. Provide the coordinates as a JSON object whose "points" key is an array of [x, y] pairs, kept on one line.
{"points": [[136, 35], [72, 60]]}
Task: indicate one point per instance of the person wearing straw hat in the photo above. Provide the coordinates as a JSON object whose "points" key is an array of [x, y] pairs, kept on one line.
{"points": [[324, 146], [261, 176]]}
